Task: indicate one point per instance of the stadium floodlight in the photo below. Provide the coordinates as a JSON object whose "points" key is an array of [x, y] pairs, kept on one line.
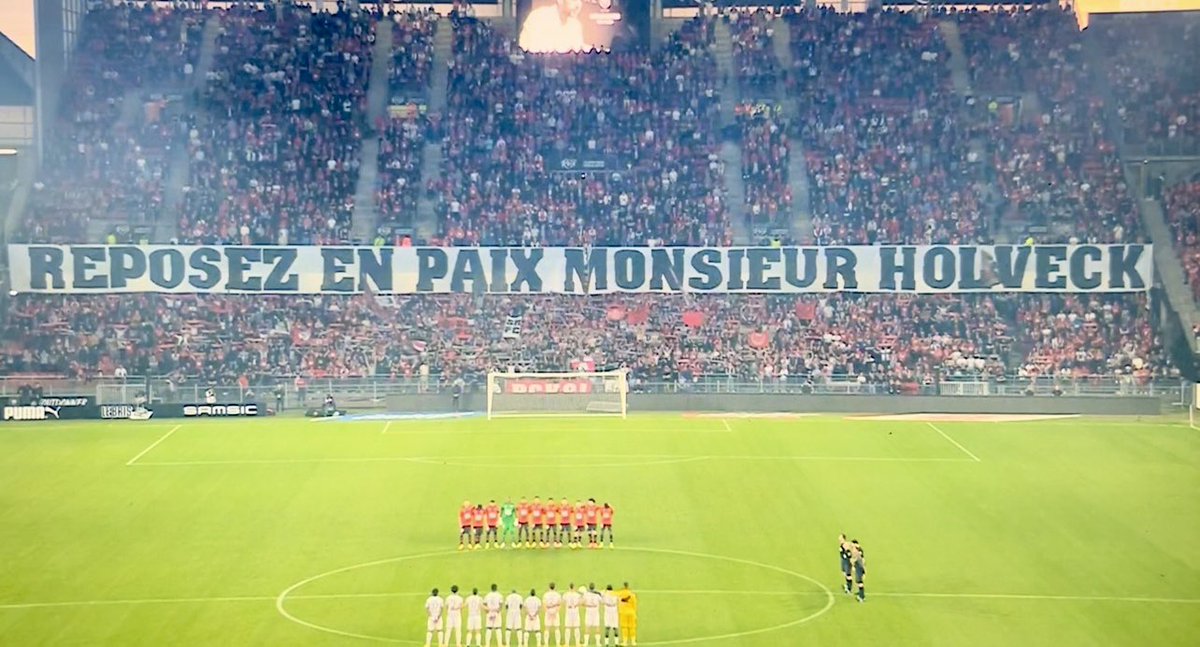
{"points": [[558, 394]]}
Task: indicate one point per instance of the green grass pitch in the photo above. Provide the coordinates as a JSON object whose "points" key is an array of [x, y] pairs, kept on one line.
{"points": [[288, 532]]}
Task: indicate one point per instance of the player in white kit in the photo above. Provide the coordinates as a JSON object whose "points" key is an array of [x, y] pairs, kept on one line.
{"points": [[612, 623], [454, 607], [434, 606], [572, 600], [512, 617], [533, 620], [474, 618], [493, 602], [591, 615], [551, 602]]}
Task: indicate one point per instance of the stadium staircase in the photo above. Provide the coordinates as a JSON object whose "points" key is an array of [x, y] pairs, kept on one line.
{"points": [[735, 190], [1167, 263], [130, 119], [1166, 260], [179, 167], [431, 155], [960, 74], [731, 149], [166, 225], [781, 43], [801, 228], [723, 51], [366, 212], [1002, 225], [131, 110]]}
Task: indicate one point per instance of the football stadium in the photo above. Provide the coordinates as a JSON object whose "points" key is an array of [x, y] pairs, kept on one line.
{"points": [[563, 323]]}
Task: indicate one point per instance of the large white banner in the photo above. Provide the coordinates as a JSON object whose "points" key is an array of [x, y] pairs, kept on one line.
{"points": [[99, 269]]}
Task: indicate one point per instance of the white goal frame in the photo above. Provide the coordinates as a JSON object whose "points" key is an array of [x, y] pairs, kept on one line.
{"points": [[617, 404], [1194, 407]]}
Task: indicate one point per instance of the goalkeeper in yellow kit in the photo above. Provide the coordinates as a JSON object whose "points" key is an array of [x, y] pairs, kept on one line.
{"points": [[628, 615]]}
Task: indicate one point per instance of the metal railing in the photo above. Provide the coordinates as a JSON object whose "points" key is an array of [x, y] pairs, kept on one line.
{"points": [[372, 392]]}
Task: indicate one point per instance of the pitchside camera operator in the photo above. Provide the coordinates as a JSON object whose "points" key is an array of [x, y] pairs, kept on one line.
{"points": [[328, 409]]}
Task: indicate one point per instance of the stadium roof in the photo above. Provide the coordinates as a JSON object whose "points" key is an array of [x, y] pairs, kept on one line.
{"points": [[15, 89]]}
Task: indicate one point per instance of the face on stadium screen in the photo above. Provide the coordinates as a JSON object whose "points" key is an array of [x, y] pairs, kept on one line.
{"points": [[559, 26]]}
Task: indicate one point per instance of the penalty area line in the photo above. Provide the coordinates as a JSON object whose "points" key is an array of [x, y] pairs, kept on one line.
{"points": [[154, 444], [954, 442]]}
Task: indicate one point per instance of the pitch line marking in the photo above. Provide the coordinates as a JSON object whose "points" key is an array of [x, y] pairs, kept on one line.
{"points": [[635, 460], [153, 445], [418, 594], [386, 426], [725, 422], [953, 442], [287, 593]]}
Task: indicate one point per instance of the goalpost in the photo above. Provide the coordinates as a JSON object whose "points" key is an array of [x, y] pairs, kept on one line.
{"points": [[557, 394], [1194, 407]]}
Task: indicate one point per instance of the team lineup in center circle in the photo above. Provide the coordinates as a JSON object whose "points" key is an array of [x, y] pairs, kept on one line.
{"points": [[523, 617], [534, 524]]}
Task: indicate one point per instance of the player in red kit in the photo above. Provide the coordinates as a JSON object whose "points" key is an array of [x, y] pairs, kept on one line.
{"points": [[552, 516], [523, 523], [578, 516], [478, 520], [606, 517], [564, 523], [537, 520], [492, 512], [465, 514], [592, 514]]}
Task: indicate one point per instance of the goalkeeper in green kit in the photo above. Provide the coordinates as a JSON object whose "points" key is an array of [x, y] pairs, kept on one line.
{"points": [[508, 523]]}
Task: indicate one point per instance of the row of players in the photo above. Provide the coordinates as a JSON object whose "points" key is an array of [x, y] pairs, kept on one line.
{"points": [[523, 617], [531, 524]]}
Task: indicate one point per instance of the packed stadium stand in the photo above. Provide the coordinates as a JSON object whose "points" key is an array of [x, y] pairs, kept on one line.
{"points": [[107, 152], [886, 146], [404, 139], [511, 115], [895, 154], [277, 160], [1183, 213], [1157, 89]]}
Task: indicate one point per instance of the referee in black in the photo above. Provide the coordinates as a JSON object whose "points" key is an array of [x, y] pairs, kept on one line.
{"points": [[858, 559], [844, 550]]}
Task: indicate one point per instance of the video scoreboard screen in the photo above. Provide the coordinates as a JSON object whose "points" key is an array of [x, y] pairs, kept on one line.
{"points": [[560, 26]]}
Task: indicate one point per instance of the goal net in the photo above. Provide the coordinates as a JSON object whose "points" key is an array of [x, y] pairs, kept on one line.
{"points": [[557, 394]]}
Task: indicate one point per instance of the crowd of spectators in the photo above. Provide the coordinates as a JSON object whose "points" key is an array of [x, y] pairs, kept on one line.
{"points": [[1053, 160], [754, 61], [275, 156], [520, 128], [765, 157], [1023, 50], [661, 338], [1059, 174], [1150, 64], [888, 155], [403, 134], [1080, 335], [890, 150], [106, 154], [1182, 205], [821, 338]]}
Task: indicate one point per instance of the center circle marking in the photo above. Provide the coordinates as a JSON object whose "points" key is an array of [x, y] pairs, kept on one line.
{"points": [[281, 600]]}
